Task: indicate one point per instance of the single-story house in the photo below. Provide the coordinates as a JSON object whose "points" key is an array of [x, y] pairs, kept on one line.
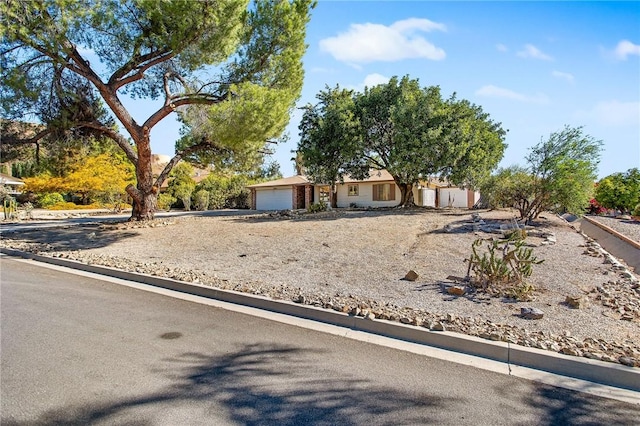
{"points": [[379, 190], [295, 192], [13, 184]]}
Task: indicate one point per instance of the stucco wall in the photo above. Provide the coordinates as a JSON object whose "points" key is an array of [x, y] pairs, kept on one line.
{"points": [[365, 196]]}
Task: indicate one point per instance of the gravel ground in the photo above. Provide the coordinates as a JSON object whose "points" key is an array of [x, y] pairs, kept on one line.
{"points": [[356, 261]]}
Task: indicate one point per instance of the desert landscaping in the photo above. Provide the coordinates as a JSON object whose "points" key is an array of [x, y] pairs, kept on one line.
{"points": [[357, 262]]}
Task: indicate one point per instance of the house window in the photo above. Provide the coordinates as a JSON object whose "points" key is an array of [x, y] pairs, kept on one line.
{"points": [[353, 190], [384, 192], [323, 194]]}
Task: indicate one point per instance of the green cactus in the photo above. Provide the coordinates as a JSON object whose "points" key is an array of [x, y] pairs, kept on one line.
{"points": [[503, 268]]}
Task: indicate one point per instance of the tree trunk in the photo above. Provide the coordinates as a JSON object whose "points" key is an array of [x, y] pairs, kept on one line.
{"points": [[144, 203], [406, 195], [145, 194], [334, 196]]}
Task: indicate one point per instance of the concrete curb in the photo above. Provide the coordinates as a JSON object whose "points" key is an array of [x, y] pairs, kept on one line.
{"points": [[612, 241], [595, 371]]}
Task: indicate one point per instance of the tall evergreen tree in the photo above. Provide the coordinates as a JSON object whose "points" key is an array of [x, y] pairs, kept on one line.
{"points": [[230, 69]]}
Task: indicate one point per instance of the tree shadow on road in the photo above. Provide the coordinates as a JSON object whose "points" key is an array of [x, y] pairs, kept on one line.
{"points": [[259, 385], [560, 406], [69, 238]]}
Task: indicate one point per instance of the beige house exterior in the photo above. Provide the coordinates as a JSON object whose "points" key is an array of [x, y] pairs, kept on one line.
{"points": [[379, 190], [13, 184]]}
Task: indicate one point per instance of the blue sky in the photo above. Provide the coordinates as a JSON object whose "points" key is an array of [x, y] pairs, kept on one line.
{"points": [[533, 66]]}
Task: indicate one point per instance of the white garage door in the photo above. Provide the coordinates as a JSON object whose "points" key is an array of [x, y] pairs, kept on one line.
{"points": [[274, 199], [453, 197]]}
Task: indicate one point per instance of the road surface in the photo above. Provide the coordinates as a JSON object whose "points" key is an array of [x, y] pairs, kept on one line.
{"points": [[79, 350], [61, 222]]}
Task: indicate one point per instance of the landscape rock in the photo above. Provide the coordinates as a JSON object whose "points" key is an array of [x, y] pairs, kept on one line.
{"points": [[625, 360], [411, 275], [576, 302], [457, 290], [531, 313], [437, 326]]}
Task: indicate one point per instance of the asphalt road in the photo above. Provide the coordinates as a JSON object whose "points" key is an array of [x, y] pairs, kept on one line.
{"points": [[59, 222], [77, 350]]}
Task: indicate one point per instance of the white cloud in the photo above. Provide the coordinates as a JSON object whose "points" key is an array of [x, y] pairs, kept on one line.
{"points": [[491, 91], [530, 51], [563, 75], [612, 113], [364, 43], [502, 48], [412, 24], [371, 80], [375, 79], [626, 48]]}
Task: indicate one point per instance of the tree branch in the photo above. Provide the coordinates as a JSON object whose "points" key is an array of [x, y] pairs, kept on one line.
{"points": [[117, 81], [191, 99], [116, 137], [180, 155]]}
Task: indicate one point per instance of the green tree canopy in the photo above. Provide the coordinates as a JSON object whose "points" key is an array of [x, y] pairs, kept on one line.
{"points": [[620, 191], [508, 187], [230, 69], [559, 176], [329, 136], [399, 126]]}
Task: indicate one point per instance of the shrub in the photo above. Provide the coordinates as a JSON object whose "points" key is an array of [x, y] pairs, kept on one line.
{"points": [[65, 205], [48, 200], [317, 207], [201, 199], [503, 268], [595, 207], [238, 199], [619, 191], [636, 211], [165, 200], [228, 192]]}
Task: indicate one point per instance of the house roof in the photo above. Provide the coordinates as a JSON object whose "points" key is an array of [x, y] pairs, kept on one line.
{"points": [[374, 176], [288, 181], [10, 180]]}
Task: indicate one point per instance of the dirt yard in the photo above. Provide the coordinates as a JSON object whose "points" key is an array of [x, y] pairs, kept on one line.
{"points": [[362, 257]]}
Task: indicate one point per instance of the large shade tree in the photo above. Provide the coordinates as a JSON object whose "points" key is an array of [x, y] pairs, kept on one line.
{"points": [[410, 131], [231, 69], [329, 136]]}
